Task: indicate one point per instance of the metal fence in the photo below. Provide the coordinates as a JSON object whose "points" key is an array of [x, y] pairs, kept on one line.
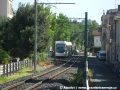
{"points": [[8, 69]]}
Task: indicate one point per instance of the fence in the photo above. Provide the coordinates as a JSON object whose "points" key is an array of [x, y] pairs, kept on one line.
{"points": [[8, 69]]}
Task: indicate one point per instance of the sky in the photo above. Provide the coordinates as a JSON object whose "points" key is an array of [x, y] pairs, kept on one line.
{"points": [[93, 7]]}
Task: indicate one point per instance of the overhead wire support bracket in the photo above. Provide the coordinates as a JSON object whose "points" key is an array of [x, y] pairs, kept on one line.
{"points": [[55, 3], [76, 18]]}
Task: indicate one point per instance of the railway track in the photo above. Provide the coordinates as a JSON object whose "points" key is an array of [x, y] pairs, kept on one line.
{"points": [[41, 78]]}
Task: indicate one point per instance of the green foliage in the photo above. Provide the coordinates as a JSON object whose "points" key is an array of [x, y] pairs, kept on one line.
{"points": [[95, 49], [63, 25], [4, 21], [41, 57], [78, 78], [90, 73], [27, 58], [14, 52], [4, 57], [92, 25], [18, 32]]}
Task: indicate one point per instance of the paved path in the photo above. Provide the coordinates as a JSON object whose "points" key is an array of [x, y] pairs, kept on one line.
{"points": [[104, 76]]}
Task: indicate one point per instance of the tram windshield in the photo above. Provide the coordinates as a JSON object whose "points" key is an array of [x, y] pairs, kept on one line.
{"points": [[60, 48]]}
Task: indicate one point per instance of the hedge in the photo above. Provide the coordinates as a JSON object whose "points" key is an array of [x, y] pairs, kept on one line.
{"points": [[94, 48]]}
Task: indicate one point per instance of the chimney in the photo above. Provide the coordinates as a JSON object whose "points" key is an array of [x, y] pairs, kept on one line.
{"points": [[118, 7]]}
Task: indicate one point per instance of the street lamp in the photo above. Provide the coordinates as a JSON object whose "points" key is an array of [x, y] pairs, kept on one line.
{"points": [[115, 20]]}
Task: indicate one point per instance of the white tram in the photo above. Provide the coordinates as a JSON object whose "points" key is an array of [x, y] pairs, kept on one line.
{"points": [[63, 49]]}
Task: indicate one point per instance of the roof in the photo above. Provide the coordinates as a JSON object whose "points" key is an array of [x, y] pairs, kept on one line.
{"points": [[112, 10], [95, 33], [63, 42], [69, 43], [60, 41]]}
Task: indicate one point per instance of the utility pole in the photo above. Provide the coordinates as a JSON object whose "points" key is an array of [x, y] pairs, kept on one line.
{"points": [[54, 48], [85, 36], [35, 38], [35, 32], [85, 52]]}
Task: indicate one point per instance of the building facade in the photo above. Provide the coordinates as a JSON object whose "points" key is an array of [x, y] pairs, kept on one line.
{"points": [[97, 42], [110, 41], [6, 8]]}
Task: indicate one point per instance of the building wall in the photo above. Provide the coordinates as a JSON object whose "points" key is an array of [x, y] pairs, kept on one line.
{"points": [[97, 41], [118, 34], [103, 46], [107, 40], [107, 25], [6, 8], [3, 7]]}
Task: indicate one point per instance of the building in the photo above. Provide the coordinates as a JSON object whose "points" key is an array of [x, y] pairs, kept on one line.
{"points": [[97, 42], [6, 8], [110, 41], [102, 31], [117, 28]]}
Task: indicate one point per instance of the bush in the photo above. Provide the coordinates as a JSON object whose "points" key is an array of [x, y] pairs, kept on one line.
{"points": [[4, 57], [90, 74], [40, 57], [94, 48], [27, 58]]}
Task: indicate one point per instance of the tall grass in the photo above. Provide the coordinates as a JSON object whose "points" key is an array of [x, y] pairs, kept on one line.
{"points": [[21, 73], [41, 57], [78, 78]]}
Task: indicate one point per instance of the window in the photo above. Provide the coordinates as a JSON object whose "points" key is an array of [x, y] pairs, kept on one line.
{"points": [[60, 48]]}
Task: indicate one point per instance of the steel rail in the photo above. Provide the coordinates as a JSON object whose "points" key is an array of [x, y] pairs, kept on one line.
{"points": [[35, 77], [41, 82]]}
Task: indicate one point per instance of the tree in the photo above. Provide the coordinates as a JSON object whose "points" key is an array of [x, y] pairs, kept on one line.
{"points": [[4, 21], [63, 28], [78, 28], [17, 34], [19, 31], [92, 25], [77, 33]]}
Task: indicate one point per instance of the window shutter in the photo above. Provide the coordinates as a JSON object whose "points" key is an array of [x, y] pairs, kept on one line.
{"points": [[111, 34]]}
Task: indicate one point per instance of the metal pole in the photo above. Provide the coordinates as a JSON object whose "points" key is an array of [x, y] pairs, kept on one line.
{"points": [[85, 36], [115, 41], [35, 38], [54, 48]]}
